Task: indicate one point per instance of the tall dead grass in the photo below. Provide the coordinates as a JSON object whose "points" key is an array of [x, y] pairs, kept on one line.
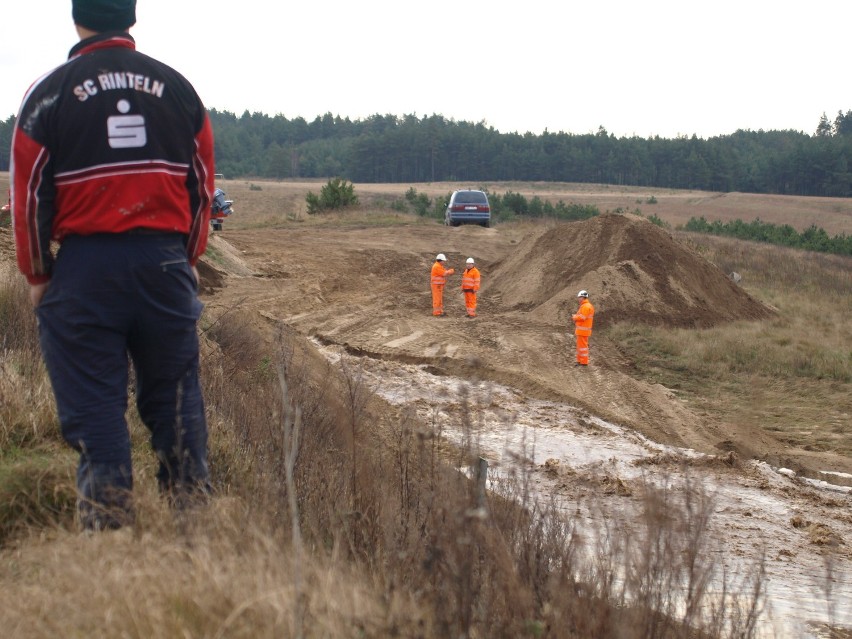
{"points": [[225, 576], [35, 470], [27, 417]]}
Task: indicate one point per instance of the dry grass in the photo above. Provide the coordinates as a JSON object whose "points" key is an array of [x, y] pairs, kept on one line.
{"points": [[26, 402], [35, 471], [224, 577]]}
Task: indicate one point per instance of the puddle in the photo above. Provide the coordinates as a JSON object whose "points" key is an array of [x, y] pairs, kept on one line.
{"points": [[752, 513]]}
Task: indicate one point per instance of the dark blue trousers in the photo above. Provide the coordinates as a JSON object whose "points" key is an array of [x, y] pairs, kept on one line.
{"points": [[110, 296]]}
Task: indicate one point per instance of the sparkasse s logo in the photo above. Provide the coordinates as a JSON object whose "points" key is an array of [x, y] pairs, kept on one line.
{"points": [[126, 131]]}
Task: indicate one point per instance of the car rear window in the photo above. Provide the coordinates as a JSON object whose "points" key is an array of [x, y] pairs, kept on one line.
{"points": [[470, 197]]}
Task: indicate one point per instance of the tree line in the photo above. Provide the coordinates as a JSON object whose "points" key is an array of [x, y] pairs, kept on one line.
{"points": [[388, 148], [812, 238]]}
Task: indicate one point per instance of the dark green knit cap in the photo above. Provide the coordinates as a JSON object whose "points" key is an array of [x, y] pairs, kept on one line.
{"points": [[104, 15]]}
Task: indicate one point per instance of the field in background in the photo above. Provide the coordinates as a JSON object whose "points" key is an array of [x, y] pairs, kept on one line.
{"points": [[259, 202]]}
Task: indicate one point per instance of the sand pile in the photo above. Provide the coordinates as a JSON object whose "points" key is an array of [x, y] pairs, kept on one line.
{"points": [[633, 270]]}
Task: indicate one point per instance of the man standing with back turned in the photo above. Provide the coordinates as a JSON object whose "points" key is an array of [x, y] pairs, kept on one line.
{"points": [[470, 284], [583, 319], [112, 157]]}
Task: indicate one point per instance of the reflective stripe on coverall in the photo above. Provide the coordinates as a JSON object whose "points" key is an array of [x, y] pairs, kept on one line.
{"points": [[470, 284], [583, 319], [439, 278]]}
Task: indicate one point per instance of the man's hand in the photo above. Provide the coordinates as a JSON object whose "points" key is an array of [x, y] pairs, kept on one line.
{"points": [[37, 292]]}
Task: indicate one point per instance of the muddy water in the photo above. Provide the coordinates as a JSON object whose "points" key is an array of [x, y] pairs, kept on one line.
{"points": [[758, 511]]}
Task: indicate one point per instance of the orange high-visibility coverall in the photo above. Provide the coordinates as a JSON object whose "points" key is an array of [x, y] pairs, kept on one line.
{"points": [[583, 329], [469, 285], [439, 278]]}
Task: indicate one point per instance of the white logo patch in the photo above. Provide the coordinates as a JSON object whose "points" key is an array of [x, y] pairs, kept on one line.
{"points": [[126, 131]]}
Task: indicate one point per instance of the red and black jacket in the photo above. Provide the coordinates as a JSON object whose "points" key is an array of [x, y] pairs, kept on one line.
{"points": [[109, 142]]}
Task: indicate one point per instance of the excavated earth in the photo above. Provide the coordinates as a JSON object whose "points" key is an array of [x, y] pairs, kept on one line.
{"points": [[367, 289]]}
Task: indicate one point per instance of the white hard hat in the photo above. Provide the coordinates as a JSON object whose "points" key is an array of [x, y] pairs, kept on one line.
{"points": [[441, 257], [469, 260], [583, 294]]}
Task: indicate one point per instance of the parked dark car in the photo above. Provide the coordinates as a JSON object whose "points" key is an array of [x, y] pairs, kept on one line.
{"points": [[468, 207]]}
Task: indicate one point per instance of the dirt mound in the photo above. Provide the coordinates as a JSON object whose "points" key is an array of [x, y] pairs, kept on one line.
{"points": [[633, 270]]}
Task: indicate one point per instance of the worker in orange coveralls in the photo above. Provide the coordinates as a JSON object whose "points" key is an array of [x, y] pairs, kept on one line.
{"points": [[583, 327], [439, 278], [469, 285]]}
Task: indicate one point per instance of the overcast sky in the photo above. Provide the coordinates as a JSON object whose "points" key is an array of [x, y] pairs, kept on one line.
{"points": [[635, 67]]}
